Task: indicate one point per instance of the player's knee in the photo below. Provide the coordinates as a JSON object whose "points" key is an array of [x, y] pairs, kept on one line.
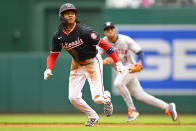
{"points": [[117, 84], [139, 96], [73, 99]]}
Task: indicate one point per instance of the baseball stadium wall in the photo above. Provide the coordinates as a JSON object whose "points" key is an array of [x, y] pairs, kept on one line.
{"points": [[166, 35]]}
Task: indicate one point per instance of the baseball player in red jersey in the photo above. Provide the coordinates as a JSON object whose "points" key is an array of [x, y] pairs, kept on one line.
{"points": [[127, 83], [80, 42]]}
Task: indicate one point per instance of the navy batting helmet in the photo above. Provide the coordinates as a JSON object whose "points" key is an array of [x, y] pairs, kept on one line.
{"points": [[64, 7], [108, 25]]}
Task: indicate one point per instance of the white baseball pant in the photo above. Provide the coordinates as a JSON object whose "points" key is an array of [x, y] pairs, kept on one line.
{"points": [[92, 71]]}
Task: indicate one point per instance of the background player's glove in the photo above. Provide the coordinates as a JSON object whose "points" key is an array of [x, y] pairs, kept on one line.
{"points": [[47, 73], [136, 67], [119, 67]]}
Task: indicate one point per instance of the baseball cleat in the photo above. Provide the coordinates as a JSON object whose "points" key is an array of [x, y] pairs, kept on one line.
{"points": [[108, 109], [91, 121], [132, 115], [172, 111]]}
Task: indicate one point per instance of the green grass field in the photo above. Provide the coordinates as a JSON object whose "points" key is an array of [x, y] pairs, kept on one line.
{"points": [[69, 122]]}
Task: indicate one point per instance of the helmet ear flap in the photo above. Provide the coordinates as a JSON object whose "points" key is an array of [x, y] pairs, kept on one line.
{"points": [[62, 18]]}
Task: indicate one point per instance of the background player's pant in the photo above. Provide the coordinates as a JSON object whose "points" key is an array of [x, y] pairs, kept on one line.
{"points": [[78, 75], [120, 84], [128, 85], [137, 91]]}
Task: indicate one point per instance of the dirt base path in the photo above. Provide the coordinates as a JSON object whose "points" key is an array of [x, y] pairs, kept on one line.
{"points": [[80, 125]]}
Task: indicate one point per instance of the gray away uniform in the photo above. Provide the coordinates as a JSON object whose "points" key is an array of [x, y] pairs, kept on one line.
{"points": [[127, 83]]}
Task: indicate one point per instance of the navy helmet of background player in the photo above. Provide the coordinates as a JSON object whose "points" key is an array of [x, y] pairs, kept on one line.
{"points": [[127, 82], [80, 42]]}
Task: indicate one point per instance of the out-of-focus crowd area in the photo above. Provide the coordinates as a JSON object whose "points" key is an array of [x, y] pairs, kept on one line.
{"points": [[149, 3]]}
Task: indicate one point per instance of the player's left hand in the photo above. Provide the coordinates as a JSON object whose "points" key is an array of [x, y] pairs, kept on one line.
{"points": [[136, 67], [119, 67]]}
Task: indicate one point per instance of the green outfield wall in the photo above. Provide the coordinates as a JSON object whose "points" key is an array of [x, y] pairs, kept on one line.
{"points": [[25, 37], [22, 88], [28, 25]]}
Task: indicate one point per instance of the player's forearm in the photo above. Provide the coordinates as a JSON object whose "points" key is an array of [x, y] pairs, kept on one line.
{"points": [[108, 61], [109, 50], [52, 59]]}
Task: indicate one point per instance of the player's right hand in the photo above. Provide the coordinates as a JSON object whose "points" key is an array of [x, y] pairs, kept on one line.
{"points": [[47, 73], [119, 67]]}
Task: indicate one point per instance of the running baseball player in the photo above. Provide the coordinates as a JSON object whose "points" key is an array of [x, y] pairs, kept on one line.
{"points": [[80, 42], [127, 83]]}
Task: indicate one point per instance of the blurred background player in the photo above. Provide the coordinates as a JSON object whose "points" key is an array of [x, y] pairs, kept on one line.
{"points": [[80, 42], [127, 83]]}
